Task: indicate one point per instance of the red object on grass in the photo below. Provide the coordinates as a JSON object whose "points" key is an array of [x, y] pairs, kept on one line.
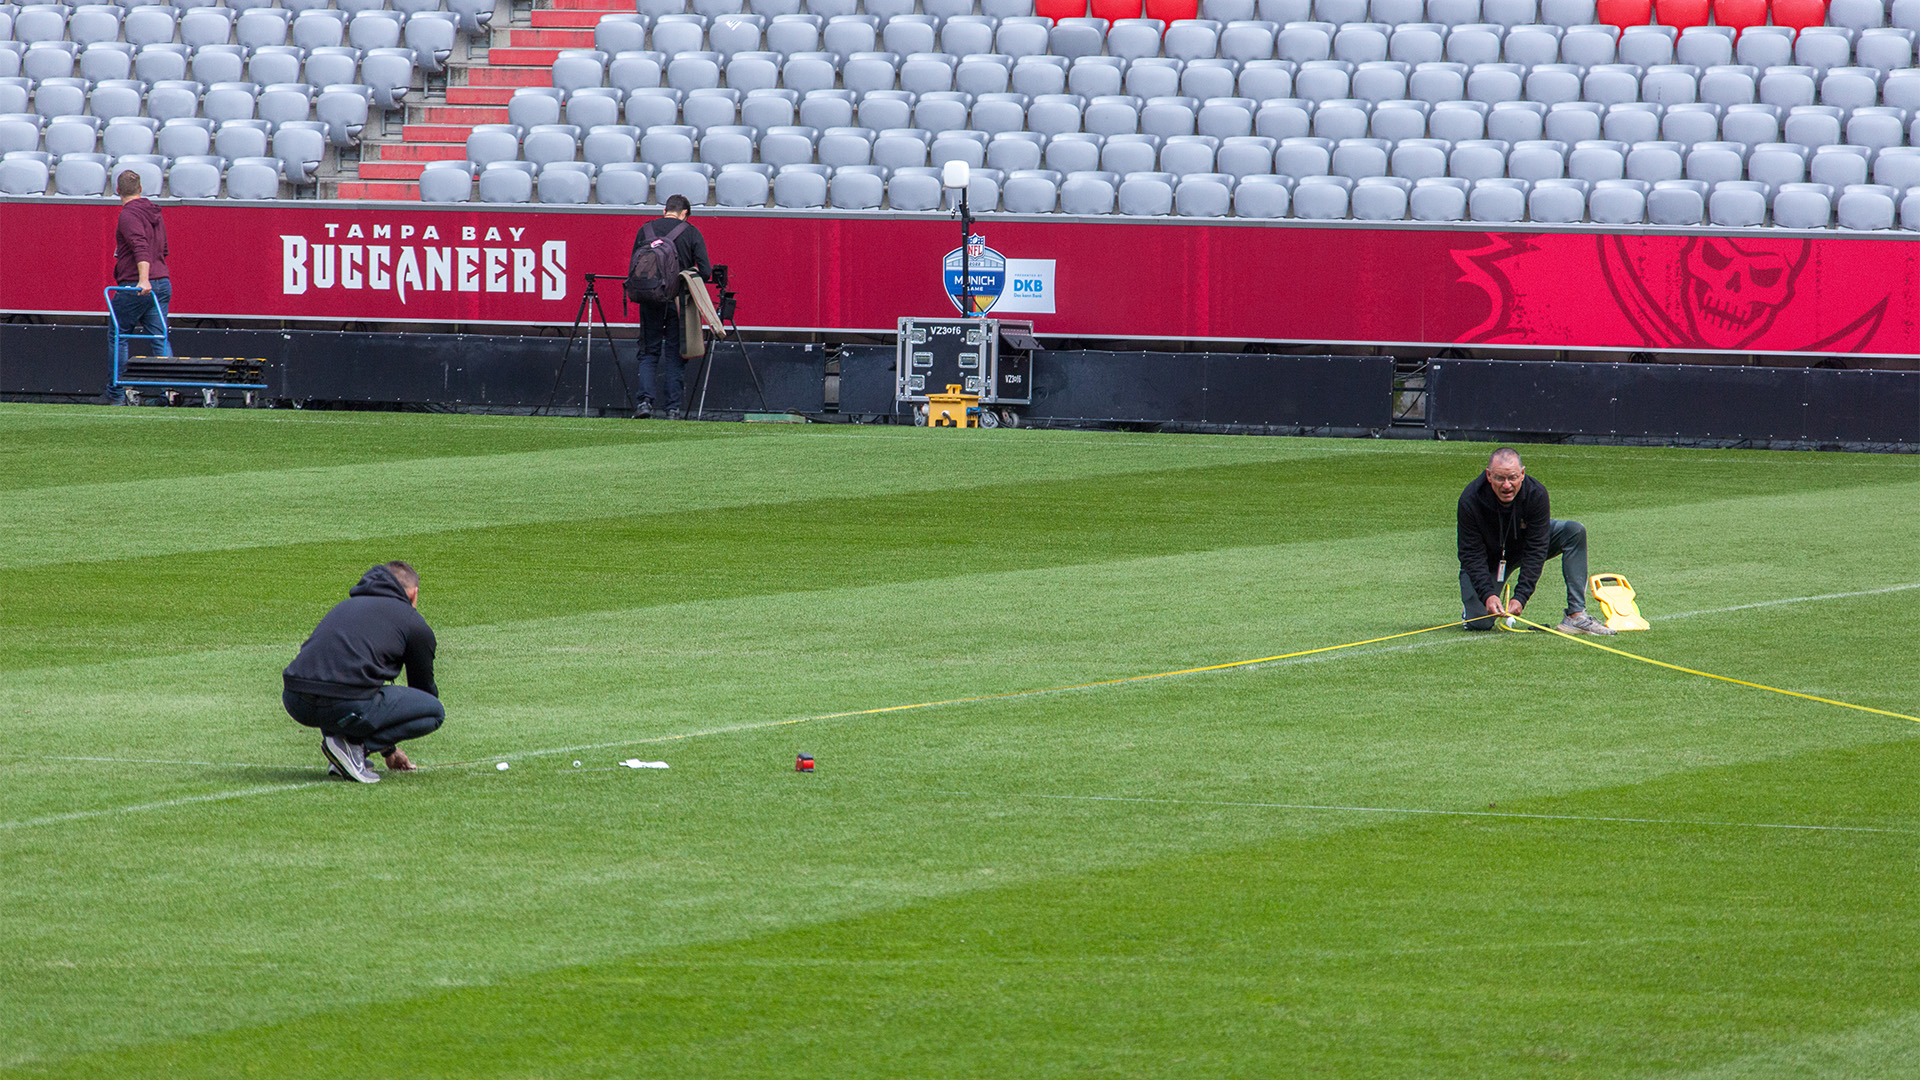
{"points": [[1112, 10], [1799, 14], [1740, 14], [1060, 9], [1169, 10], [1624, 13], [1680, 13]]}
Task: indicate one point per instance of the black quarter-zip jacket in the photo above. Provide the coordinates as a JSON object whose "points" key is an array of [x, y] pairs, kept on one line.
{"points": [[1491, 531], [361, 645]]}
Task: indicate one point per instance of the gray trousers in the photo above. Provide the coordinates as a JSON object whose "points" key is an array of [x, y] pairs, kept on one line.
{"points": [[393, 714], [1568, 540]]}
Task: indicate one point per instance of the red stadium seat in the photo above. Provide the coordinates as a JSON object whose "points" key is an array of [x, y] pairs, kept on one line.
{"points": [[1625, 13], [1680, 13], [1799, 14], [1740, 14], [1169, 10], [1060, 9], [1111, 10]]}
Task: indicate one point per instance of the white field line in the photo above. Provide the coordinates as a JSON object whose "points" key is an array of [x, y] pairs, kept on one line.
{"points": [[82, 815], [148, 761], [764, 724], [1433, 813]]}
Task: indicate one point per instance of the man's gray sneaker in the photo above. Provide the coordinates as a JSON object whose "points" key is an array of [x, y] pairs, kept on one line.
{"points": [[349, 758], [1582, 623]]}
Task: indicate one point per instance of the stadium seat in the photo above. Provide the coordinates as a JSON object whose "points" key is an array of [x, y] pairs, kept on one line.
{"points": [[1380, 198], [914, 189], [1262, 197], [1557, 201], [300, 146], [344, 109], [800, 186], [692, 179], [1438, 198], [1803, 206], [1144, 194], [253, 178], [1617, 202], [27, 172], [623, 184], [566, 183], [1867, 206], [1677, 202], [80, 175], [1802, 14], [1322, 198], [1737, 204], [506, 182], [1497, 199], [195, 177]]}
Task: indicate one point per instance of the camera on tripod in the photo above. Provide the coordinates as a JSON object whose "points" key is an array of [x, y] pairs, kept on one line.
{"points": [[728, 299]]}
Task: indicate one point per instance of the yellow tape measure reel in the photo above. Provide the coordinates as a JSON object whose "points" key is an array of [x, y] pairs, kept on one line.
{"points": [[1615, 597]]}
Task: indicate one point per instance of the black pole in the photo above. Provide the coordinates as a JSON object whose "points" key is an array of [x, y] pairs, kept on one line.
{"points": [[966, 269]]}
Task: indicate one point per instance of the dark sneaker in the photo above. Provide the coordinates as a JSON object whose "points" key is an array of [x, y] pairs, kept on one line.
{"points": [[1582, 623], [349, 758], [644, 410], [673, 414]]}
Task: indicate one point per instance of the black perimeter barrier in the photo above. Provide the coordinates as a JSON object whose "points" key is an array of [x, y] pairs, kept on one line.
{"points": [[1506, 399], [1819, 406]]}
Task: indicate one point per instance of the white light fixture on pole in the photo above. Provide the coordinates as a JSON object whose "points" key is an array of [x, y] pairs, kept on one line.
{"points": [[956, 175]]}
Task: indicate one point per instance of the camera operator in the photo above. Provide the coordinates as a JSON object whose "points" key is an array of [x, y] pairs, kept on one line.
{"points": [[660, 322]]}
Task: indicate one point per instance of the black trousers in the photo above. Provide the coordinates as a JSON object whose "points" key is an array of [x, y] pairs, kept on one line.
{"points": [[394, 714], [661, 369]]}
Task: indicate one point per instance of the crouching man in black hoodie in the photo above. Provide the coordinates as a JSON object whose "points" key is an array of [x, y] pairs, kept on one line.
{"points": [[340, 681], [1505, 528]]}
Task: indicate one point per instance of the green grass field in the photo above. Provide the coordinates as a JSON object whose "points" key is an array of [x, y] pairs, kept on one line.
{"points": [[1450, 855]]}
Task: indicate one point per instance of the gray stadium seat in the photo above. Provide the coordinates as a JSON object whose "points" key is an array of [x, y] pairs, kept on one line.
{"points": [[506, 182], [914, 189], [666, 144], [1300, 157], [744, 185], [1262, 197], [1618, 202], [1088, 193], [331, 65], [846, 146], [692, 179], [623, 184], [1677, 202], [1458, 121], [195, 177], [128, 135], [26, 172], [1322, 198], [1124, 155], [1438, 198], [446, 182], [244, 138], [1380, 198], [1418, 159], [1516, 121], [1751, 125], [389, 73], [1897, 167], [593, 106], [300, 146], [1573, 121], [1632, 122], [253, 178], [651, 107], [631, 70], [1031, 191], [967, 146], [1204, 195], [1803, 206], [1497, 199], [1477, 159], [565, 183], [1812, 125], [1357, 158], [1764, 46], [983, 73], [60, 97], [83, 175], [1714, 162], [1655, 161], [1704, 46], [822, 109], [788, 145], [317, 29], [344, 110], [282, 103], [183, 136], [1838, 166], [1884, 48], [1737, 204], [1145, 195], [488, 143], [1594, 160], [800, 187], [1557, 201], [1347, 119], [1778, 164]]}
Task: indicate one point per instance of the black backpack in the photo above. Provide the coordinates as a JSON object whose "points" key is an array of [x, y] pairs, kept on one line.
{"points": [[653, 274]]}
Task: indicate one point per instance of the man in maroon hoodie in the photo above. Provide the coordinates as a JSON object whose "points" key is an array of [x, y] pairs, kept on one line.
{"points": [[140, 261]]}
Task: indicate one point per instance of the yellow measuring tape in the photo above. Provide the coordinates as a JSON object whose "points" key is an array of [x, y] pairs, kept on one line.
{"points": [[1711, 675], [1121, 681]]}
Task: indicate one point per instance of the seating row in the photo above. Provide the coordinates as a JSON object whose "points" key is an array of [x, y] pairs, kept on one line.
{"points": [[1739, 204], [342, 107], [26, 172], [250, 25]]}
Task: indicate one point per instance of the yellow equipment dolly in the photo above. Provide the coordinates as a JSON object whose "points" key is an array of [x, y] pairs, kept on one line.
{"points": [[953, 408]]}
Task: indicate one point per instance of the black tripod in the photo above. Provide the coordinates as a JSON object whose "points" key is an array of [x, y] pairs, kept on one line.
{"points": [[729, 301], [590, 310]]}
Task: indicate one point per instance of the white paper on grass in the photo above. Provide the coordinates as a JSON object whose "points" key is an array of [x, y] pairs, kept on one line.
{"points": [[636, 763]]}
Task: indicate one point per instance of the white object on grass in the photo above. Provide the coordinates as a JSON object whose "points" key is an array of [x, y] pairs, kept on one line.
{"points": [[576, 764], [503, 766], [636, 763]]}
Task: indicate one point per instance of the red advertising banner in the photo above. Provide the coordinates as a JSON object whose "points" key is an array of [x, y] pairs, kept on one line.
{"points": [[1742, 292]]}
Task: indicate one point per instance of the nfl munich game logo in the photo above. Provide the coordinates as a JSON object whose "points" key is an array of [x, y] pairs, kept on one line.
{"points": [[987, 268]]}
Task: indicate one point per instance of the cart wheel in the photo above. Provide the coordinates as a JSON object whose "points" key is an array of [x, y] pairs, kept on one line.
{"points": [[1009, 418], [989, 418], [131, 396], [919, 416]]}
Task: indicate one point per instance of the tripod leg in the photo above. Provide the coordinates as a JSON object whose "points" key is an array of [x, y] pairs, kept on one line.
{"points": [[567, 355], [615, 353], [755, 375]]}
